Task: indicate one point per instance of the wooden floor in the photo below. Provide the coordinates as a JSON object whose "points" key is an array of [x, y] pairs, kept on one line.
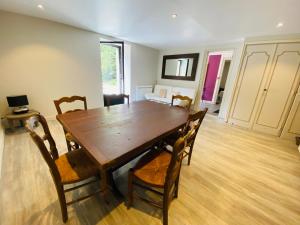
{"points": [[236, 177], [212, 108]]}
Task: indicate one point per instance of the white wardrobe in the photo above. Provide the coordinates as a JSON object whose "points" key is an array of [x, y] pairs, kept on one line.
{"points": [[268, 82]]}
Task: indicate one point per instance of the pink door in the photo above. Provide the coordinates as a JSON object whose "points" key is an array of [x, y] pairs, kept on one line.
{"points": [[211, 77]]}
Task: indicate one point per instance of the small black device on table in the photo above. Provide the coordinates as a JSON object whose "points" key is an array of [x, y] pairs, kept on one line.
{"points": [[18, 103]]}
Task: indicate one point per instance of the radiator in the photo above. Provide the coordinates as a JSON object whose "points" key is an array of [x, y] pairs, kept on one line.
{"points": [[140, 92]]}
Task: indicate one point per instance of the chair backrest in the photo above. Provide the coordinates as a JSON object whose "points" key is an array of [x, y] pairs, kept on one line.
{"points": [[175, 164], [71, 99], [193, 124], [115, 99], [184, 101], [49, 155]]}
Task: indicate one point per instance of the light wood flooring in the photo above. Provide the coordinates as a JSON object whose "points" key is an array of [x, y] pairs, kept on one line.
{"points": [[212, 108], [236, 178]]}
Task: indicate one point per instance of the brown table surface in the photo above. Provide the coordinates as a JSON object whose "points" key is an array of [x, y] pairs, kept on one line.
{"points": [[116, 134]]}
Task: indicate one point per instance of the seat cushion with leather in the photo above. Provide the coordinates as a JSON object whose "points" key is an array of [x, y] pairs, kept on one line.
{"points": [[113, 100], [75, 166], [153, 170]]}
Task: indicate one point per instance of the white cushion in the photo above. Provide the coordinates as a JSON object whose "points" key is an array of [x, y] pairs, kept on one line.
{"points": [[162, 100], [158, 87], [190, 92], [149, 96]]}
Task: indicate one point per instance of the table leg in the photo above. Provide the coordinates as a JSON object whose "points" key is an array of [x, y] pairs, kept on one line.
{"points": [[11, 125], [112, 184], [22, 122], [104, 185], [107, 182]]}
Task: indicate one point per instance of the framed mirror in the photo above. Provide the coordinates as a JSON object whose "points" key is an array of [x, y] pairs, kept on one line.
{"points": [[180, 67]]}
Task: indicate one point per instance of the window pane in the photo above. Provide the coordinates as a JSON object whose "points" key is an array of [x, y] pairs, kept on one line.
{"points": [[110, 68]]}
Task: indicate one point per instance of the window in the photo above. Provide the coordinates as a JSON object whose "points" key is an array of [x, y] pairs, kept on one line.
{"points": [[112, 67]]}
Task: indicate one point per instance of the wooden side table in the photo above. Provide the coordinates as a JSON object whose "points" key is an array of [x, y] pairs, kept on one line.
{"points": [[11, 117]]}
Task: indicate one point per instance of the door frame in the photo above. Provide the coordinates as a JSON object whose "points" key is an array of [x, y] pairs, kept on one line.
{"points": [[219, 77], [234, 51], [213, 100]]}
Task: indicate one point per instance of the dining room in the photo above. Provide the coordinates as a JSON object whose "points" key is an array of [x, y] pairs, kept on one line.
{"points": [[102, 120]]}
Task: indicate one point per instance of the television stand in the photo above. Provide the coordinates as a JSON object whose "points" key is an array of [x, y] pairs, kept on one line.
{"points": [[20, 110], [11, 117]]}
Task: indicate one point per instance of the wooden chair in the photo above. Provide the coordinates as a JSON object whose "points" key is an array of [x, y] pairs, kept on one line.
{"points": [[193, 124], [115, 99], [69, 168], [158, 172], [71, 143], [186, 99]]}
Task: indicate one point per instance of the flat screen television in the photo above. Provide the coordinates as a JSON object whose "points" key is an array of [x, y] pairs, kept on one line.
{"points": [[18, 102]]}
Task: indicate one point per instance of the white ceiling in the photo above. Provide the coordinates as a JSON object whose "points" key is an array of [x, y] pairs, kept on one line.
{"points": [[149, 22]]}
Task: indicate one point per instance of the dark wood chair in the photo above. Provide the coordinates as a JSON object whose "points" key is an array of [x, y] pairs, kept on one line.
{"points": [[115, 99], [69, 168], [193, 124], [71, 143], [185, 101], [158, 172]]}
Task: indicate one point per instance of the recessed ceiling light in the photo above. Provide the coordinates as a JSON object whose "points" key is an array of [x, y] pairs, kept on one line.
{"points": [[174, 15], [280, 24], [40, 6]]}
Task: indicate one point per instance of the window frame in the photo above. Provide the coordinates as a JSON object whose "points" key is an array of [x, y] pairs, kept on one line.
{"points": [[120, 46]]}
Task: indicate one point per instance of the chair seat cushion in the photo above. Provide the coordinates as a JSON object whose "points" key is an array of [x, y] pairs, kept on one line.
{"points": [[75, 166], [153, 170]]}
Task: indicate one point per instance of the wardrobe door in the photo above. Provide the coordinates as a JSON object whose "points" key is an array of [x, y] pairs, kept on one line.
{"points": [[280, 90], [292, 126], [252, 77]]}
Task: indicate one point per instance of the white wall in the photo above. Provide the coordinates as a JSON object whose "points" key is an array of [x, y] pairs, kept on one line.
{"points": [[144, 63], [180, 83], [47, 60], [201, 69], [1, 146]]}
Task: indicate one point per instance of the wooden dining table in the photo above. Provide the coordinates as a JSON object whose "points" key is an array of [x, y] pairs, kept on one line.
{"points": [[113, 136]]}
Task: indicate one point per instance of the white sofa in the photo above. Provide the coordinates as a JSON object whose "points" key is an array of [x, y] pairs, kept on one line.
{"points": [[164, 93]]}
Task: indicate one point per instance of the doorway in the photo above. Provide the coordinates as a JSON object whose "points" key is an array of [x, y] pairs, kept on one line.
{"points": [[217, 69], [112, 67]]}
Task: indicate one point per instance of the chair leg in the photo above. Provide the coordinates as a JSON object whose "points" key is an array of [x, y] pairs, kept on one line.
{"points": [[176, 188], [190, 153], [130, 188], [69, 146], [62, 202], [76, 145]]}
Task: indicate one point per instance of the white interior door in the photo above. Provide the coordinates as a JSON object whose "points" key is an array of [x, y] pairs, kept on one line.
{"points": [[280, 90], [255, 66]]}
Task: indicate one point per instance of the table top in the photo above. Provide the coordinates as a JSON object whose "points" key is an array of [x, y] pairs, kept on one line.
{"points": [[22, 115], [121, 132]]}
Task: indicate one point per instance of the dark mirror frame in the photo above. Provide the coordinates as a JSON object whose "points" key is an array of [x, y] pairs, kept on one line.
{"points": [[195, 57]]}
